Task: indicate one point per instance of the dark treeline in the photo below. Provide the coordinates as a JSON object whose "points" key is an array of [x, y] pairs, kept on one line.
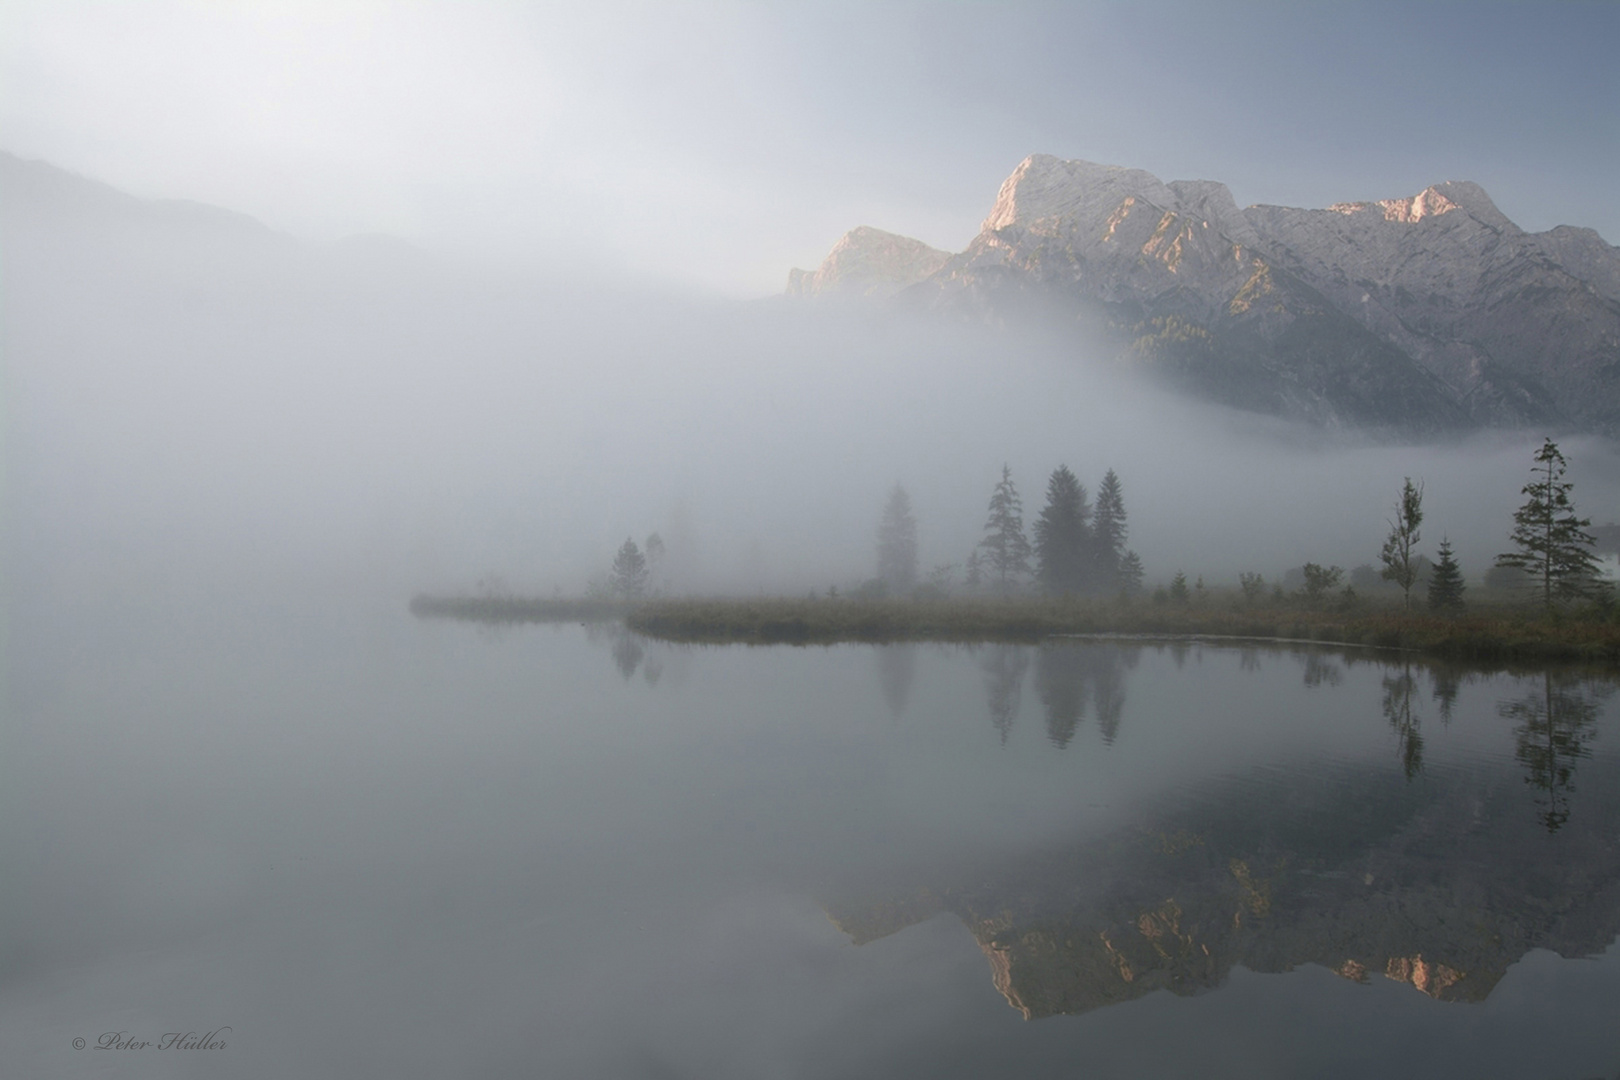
{"points": [[1075, 547]]}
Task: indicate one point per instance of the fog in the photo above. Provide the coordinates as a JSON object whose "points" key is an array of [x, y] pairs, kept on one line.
{"points": [[194, 398], [309, 308]]}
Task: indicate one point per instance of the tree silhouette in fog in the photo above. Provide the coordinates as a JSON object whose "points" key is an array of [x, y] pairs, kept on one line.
{"points": [[1398, 554], [897, 543], [1006, 548], [1119, 570], [1446, 585], [1551, 541], [1065, 557], [629, 572]]}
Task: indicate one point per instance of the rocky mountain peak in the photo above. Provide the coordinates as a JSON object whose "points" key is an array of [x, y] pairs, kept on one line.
{"points": [[1044, 187], [1433, 202], [868, 262], [1089, 195]]}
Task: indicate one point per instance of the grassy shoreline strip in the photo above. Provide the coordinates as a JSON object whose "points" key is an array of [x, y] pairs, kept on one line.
{"points": [[518, 609], [1197, 638], [1505, 635], [1508, 635]]}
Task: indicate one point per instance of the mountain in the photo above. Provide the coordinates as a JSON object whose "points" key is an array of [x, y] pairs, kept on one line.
{"points": [[1414, 316], [869, 262]]}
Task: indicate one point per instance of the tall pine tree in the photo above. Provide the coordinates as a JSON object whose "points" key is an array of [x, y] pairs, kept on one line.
{"points": [[1109, 532], [1006, 549], [1063, 540], [897, 543], [1554, 548]]}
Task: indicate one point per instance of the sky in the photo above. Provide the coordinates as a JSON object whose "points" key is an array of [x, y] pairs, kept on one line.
{"points": [[712, 146]]}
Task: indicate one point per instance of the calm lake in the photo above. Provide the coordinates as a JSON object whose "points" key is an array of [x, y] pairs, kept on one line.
{"points": [[335, 840]]}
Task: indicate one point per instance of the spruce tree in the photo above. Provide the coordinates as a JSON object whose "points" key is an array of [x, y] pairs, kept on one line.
{"points": [[1446, 582], [1130, 574], [1005, 547], [1063, 536], [1554, 548], [897, 543], [1178, 588], [629, 571], [1109, 531], [975, 571]]}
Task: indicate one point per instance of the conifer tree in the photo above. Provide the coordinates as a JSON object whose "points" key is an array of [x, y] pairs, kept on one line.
{"points": [[897, 543], [1130, 574], [1446, 582], [1399, 565], [1063, 541], [1109, 532], [1005, 547], [1178, 588], [1554, 547], [629, 571]]}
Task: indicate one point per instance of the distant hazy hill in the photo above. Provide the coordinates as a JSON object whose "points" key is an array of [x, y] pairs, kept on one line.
{"points": [[1416, 315]]}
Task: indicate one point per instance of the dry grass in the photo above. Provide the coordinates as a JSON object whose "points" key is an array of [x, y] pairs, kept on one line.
{"points": [[1501, 635], [1491, 634], [509, 609]]}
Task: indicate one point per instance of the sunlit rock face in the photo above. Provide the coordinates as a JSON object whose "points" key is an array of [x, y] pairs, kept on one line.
{"points": [[1415, 315], [868, 262], [1520, 327]]}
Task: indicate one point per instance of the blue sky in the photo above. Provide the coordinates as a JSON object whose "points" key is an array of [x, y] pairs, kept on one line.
{"points": [[714, 145]]}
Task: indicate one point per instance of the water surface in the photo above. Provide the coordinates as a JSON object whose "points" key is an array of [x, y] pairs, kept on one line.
{"points": [[372, 845]]}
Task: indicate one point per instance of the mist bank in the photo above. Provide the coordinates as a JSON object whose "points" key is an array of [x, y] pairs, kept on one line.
{"points": [[192, 398]]}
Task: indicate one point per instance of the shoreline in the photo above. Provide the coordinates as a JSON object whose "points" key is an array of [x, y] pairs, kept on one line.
{"points": [[1493, 635]]}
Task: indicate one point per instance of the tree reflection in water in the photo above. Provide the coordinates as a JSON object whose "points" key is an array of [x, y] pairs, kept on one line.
{"points": [[1340, 862], [1320, 671], [1399, 689], [625, 647], [1069, 674], [1004, 667], [1108, 689], [1447, 681], [627, 654], [897, 672], [1554, 726], [1060, 680]]}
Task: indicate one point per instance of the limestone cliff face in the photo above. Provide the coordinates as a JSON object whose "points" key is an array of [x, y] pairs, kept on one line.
{"points": [[1494, 312], [1417, 314]]}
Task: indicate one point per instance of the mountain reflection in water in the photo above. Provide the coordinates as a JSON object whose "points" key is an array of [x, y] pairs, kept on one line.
{"points": [[1440, 878]]}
